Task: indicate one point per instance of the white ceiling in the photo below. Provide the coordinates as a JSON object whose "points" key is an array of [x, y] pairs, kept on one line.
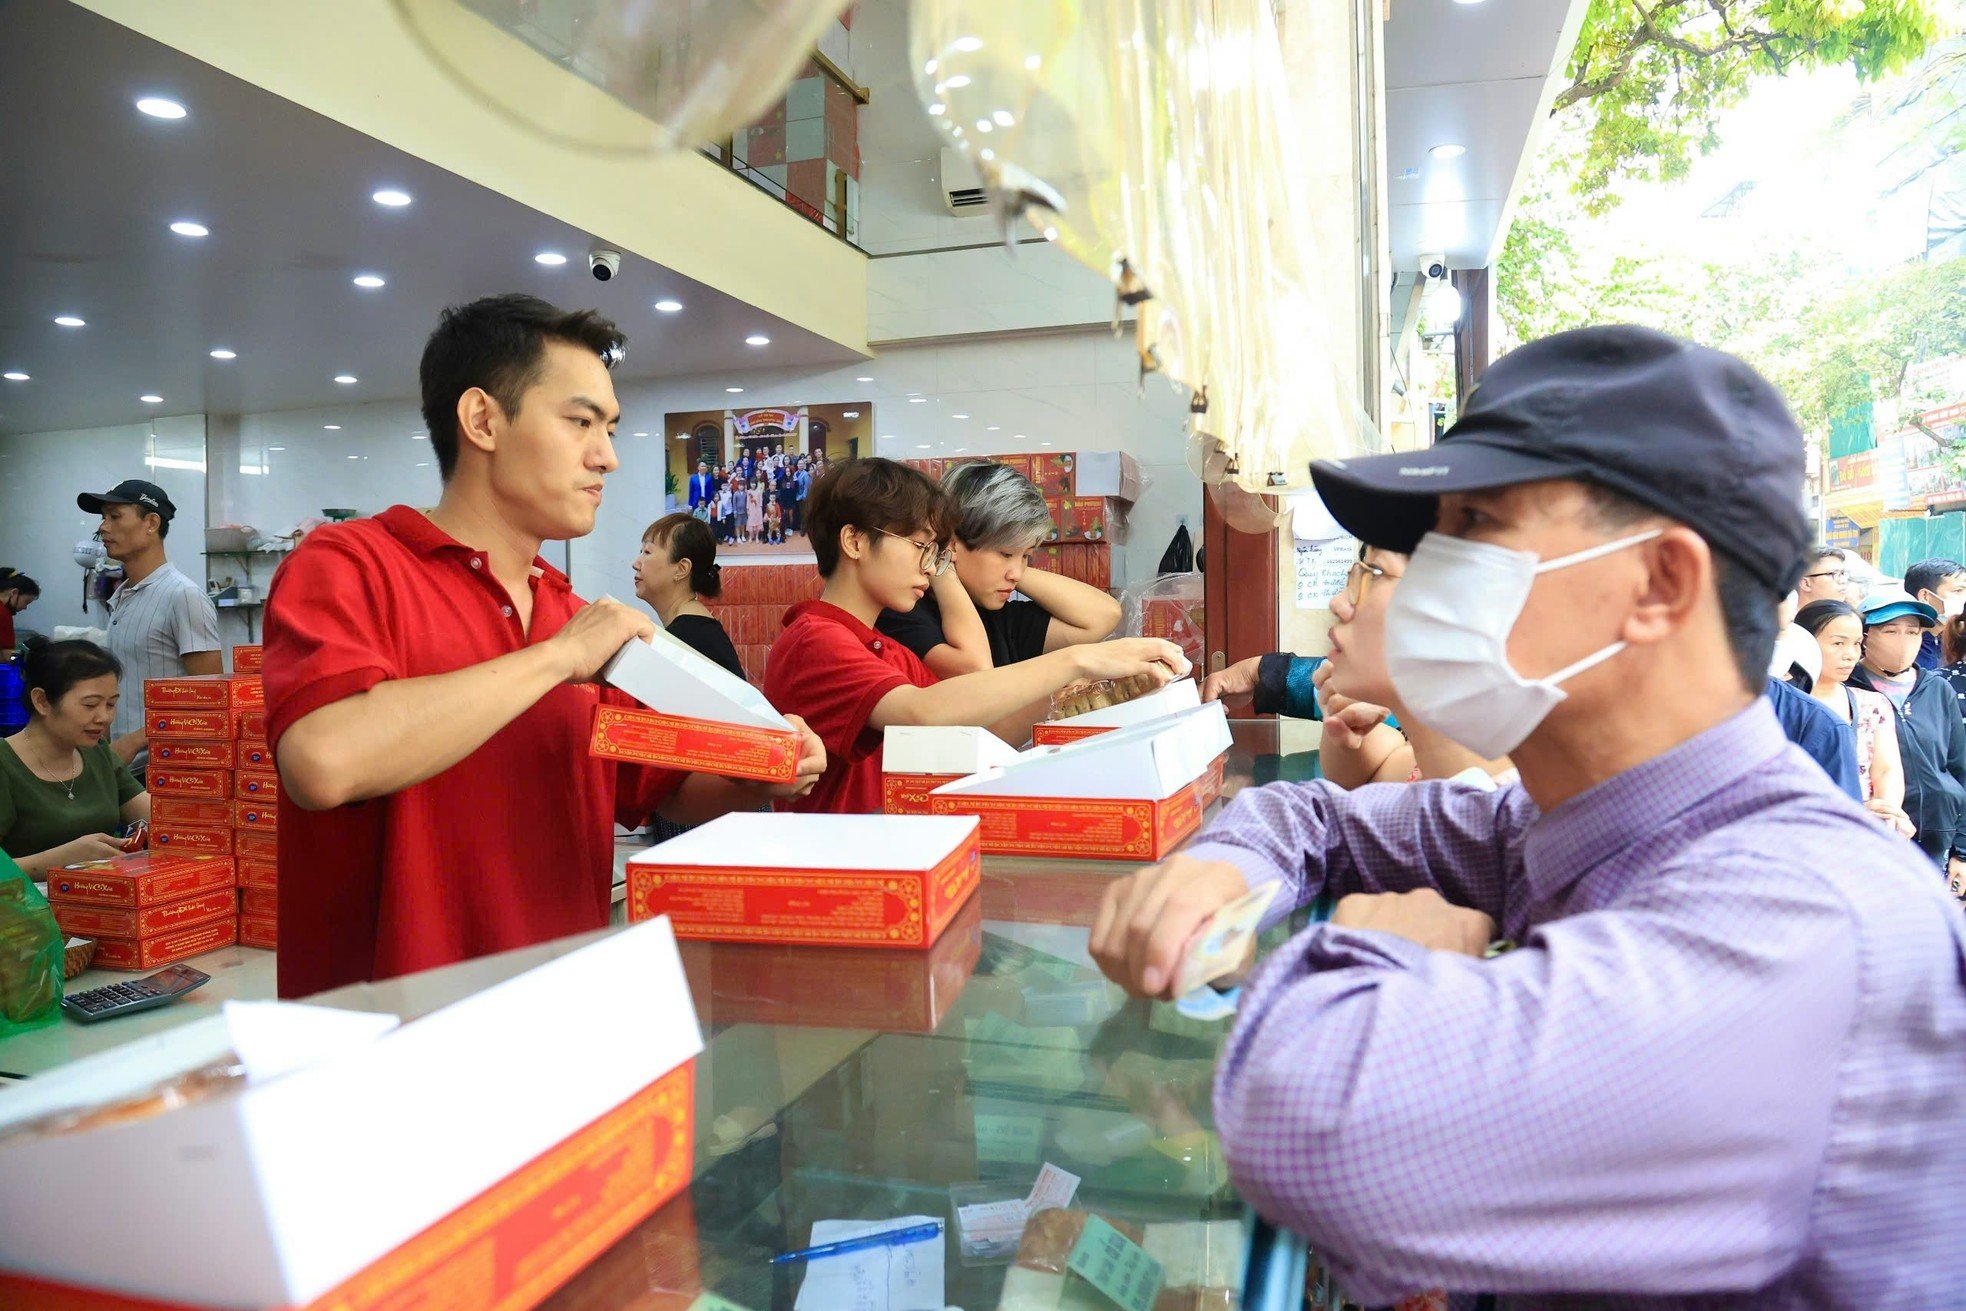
{"points": [[1475, 75], [92, 185]]}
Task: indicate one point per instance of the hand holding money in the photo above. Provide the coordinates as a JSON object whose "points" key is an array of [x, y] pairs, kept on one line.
{"points": [[1148, 920]]}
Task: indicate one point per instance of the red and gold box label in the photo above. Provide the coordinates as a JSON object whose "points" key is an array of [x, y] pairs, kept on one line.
{"points": [[251, 723], [1089, 827], [248, 693], [190, 692], [176, 781], [193, 838], [247, 659], [907, 794], [767, 755], [1212, 781], [261, 931], [190, 725], [258, 844], [142, 879], [254, 873], [259, 901], [147, 921], [831, 908], [254, 753], [258, 784], [1058, 733], [164, 948], [196, 755], [261, 815], [182, 812]]}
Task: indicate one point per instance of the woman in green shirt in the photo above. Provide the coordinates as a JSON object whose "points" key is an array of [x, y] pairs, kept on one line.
{"points": [[63, 793]]}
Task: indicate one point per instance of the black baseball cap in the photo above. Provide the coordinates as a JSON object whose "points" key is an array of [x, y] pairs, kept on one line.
{"points": [[1691, 432], [131, 491]]}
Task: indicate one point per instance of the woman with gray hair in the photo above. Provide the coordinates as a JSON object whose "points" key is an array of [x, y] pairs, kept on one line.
{"points": [[993, 608]]}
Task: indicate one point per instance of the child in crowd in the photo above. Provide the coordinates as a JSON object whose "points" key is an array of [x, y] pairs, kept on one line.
{"points": [[754, 505], [880, 531], [774, 522]]}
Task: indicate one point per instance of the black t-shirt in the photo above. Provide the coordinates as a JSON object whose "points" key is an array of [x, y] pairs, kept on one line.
{"points": [[1016, 631], [706, 637]]}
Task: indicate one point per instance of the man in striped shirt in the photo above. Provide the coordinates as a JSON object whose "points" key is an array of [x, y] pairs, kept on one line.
{"points": [[161, 624]]}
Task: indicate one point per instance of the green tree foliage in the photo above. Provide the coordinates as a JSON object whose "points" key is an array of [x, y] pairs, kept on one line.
{"points": [[1654, 77]]}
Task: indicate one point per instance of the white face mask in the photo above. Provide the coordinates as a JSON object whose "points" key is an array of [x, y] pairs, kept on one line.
{"points": [[1447, 640], [1955, 605]]}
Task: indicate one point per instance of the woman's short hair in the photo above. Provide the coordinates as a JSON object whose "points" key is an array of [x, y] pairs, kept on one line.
{"points": [[993, 507], [54, 668], [873, 495], [689, 538]]}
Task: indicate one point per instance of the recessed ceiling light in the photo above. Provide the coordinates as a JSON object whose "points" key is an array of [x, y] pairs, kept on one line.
{"points": [[276, 448], [757, 339], [994, 428], [959, 416], [641, 434], [354, 457], [186, 228], [863, 379], [151, 398], [733, 390], [14, 375], [922, 446], [853, 414], [369, 280], [1448, 150], [330, 427], [918, 400], [1018, 437], [419, 436], [1467, 2], [668, 306], [423, 464], [223, 354], [71, 321], [550, 258], [346, 379], [391, 197], [158, 107], [1044, 443]]}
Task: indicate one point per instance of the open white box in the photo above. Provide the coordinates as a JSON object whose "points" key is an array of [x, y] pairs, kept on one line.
{"points": [[1125, 793], [351, 1135], [917, 759], [702, 716], [1178, 696]]}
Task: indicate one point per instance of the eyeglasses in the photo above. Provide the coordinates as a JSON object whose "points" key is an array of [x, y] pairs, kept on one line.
{"points": [[935, 560], [1358, 580], [1835, 575]]}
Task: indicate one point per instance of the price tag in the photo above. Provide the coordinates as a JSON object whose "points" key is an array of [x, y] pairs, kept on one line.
{"points": [[1114, 1264]]}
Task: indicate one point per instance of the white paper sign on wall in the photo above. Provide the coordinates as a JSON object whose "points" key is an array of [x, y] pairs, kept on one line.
{"points": [[1321, 570]]}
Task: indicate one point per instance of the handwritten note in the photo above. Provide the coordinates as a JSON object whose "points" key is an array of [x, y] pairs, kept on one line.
{"points": [[904, 1278], [1009, 1138], [1114, 1264], [1321, 570]]}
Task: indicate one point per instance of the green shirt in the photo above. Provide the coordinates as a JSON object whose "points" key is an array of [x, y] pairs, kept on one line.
{"points": [[36, 815]]}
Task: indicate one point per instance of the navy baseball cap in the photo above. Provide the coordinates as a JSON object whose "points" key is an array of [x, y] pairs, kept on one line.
{"points": [[1690, 432], [131, 491]]}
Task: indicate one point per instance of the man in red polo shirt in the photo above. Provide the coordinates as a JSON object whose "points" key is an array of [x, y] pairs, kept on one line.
{"points": [[427, 679], [879, 531]]}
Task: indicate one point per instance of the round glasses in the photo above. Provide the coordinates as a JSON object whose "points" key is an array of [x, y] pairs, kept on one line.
{"points": [[935, 560]]}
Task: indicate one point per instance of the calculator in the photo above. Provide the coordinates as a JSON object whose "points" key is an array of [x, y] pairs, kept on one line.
{"points": [[136, 995]]}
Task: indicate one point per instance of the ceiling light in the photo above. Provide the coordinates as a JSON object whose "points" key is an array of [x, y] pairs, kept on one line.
{"points": [[853, 414], [733, 390], [918, 400], [757, 339], [223, 354], [1044, 443], [1448, 150], [354, 457], [1018, 438], [923, 446], [345, 379], [369, 280], [956, 83], [276, 448], [151, 398], [863, 379], [186, 228], [330, 427], [158, 107], [550, 258], [391, 197], [1467, 2], [419, 436], [993, 428], [969, 45], [423, 464], [14, 375], [668, 306], [1002, 117], [641, 434], [71, 321]]}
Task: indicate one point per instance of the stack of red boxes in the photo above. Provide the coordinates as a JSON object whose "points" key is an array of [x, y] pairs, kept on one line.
{"points": [[212, 783], [1080, 545], [148, 908]]}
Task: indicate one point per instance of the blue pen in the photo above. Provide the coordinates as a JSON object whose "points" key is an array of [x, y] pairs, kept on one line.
{"points": [[889, 1238]]}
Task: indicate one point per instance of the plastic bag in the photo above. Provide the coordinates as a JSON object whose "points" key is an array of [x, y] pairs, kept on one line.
{"points": [[1169, 606], [1086, 696], [30, 954]]}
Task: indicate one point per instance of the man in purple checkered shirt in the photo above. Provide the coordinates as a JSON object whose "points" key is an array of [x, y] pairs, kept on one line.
{"points": [[1726, 1066]]}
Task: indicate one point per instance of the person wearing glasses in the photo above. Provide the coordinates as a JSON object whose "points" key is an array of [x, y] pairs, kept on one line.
{"points": [[1824, 578], [880, 532]]}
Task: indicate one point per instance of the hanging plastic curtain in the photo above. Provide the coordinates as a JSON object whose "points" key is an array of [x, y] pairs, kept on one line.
{"points": [[1152, 140], [693, 71]]}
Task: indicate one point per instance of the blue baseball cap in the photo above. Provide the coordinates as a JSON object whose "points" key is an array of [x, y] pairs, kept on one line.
{"points": [[1895, 603]]}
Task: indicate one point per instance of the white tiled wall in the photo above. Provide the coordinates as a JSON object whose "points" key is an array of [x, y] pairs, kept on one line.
{"points": [[40, 476]]}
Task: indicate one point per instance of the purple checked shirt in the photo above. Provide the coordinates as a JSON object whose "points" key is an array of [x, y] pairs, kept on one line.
{"points": [[1725, 1068]]}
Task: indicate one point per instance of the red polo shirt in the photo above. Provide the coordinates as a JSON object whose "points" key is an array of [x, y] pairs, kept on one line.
{"points": [[512, 845], [832, 670]]}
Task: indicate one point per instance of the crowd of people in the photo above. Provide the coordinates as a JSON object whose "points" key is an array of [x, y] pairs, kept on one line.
{"points": [[759, 500]]}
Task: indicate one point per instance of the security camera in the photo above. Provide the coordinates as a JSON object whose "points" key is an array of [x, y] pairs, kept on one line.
{"points": [[603, 264], [1432, 267]]}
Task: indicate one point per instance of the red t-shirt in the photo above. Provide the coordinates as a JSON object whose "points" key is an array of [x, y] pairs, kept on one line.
{"points": [[512, 845], [832, 670], [7, 638]]}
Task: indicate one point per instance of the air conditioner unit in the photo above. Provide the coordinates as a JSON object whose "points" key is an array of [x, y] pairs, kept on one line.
{"points": [[962, 189]]}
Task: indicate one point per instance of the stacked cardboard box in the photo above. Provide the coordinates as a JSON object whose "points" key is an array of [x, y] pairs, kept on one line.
{"points": [[213, 786], [1088, 493], [148, 908]]}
